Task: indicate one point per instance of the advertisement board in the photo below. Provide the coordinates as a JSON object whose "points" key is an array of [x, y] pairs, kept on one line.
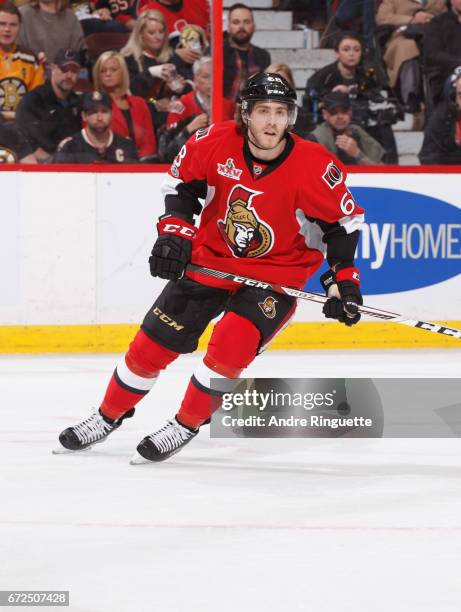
{"points": [[75, 248]]}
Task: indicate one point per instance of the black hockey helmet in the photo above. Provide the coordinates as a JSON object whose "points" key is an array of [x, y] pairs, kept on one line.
{"points": [[269, 86]]}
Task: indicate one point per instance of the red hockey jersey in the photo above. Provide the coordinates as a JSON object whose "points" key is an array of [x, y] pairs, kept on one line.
{"points": [[195, 12], [188, 106], [269, 221]]}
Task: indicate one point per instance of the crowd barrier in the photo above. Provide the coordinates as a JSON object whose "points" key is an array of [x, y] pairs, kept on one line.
{"points": [[74, 244]]}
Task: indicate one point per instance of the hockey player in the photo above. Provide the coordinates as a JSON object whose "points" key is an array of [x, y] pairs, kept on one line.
{"points": [[274, 205]]}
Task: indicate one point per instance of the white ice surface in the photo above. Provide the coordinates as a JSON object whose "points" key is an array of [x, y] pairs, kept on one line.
{"points": [[342, 525]]}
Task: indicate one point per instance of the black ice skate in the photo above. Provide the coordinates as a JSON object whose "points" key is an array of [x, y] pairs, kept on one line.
{"points": [[163, 443], [92, 430]]}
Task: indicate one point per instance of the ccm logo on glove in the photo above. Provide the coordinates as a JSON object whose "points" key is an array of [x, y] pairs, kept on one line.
{"points": [[178, 227]]}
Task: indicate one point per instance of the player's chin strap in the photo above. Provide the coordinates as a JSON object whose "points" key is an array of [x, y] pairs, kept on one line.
{"points": [[383, 315]]}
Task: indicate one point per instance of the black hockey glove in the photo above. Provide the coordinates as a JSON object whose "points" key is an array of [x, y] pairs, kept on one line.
{"points": [[344, 297], [173, 248]]}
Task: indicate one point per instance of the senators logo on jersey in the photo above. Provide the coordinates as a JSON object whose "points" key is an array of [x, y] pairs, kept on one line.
{"points": [[244, 233], [268, 307]]}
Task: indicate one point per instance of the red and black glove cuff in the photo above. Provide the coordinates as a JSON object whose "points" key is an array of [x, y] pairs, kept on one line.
{"points": [[349, 273], [175, 226]]}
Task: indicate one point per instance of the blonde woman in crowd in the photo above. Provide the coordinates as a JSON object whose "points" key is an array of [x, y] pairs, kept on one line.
{"points": [[130, 114], [150, 61]]}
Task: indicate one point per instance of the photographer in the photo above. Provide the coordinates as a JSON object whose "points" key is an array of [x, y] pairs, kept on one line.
{"points": [[374, 107], [348, 142]]}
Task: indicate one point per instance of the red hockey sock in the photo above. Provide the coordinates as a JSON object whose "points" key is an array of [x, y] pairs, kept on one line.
{"points": [[135, 375], [198, 405], [232, 347]]}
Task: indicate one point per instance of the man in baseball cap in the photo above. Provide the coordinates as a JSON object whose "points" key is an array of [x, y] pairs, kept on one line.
{"points": [[336, 99], [68, 59], [93, 99], [51, 112], [96, 142], [349, 142]]}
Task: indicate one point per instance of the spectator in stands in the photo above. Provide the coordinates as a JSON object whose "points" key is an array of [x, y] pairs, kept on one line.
{"points": [[51, 112], [178, 13], [373, 106], [191, 113], [49, 25], [96, 143], [122, 12], [241, 59], [352, 9], [191, 46], [130, 114], [100, 20], [402, 53], [14, 146], [442, 47], [348, 142], [20, 70], [303, 123], [442, 136], [152, 66]]}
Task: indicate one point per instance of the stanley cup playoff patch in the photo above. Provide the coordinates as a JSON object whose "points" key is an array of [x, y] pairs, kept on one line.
{"points": [[268, 307]]}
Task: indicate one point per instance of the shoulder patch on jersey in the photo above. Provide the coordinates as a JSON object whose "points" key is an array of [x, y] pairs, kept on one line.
{"points": [[203, 132], [174, 170], [332, 175]]}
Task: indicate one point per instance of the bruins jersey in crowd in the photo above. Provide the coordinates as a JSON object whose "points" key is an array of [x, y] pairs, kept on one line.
{"points": [[20, 72]]}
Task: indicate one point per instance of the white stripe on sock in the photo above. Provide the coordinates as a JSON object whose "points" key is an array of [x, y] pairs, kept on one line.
{"points": [[133, 380], [203, 374]]}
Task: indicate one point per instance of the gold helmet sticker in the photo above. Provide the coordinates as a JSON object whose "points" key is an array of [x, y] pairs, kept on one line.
{"points": [[244, 233]]}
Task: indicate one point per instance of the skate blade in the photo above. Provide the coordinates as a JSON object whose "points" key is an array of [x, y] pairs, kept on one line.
{"points": [[138, 459], [67, 451]]}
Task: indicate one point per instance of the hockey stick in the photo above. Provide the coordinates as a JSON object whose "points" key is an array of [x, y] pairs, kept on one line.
{"points": [[384, 315]]}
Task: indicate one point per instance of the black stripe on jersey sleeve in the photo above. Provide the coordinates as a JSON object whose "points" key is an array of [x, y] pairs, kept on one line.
{"points": [[186, 201], [341, 246]]}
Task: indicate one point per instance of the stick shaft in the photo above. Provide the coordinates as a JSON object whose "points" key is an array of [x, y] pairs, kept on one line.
{"points": [[377, 313]]}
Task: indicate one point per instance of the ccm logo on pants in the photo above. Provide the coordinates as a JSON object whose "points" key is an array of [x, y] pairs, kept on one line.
{"points": [[166, 319]]}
